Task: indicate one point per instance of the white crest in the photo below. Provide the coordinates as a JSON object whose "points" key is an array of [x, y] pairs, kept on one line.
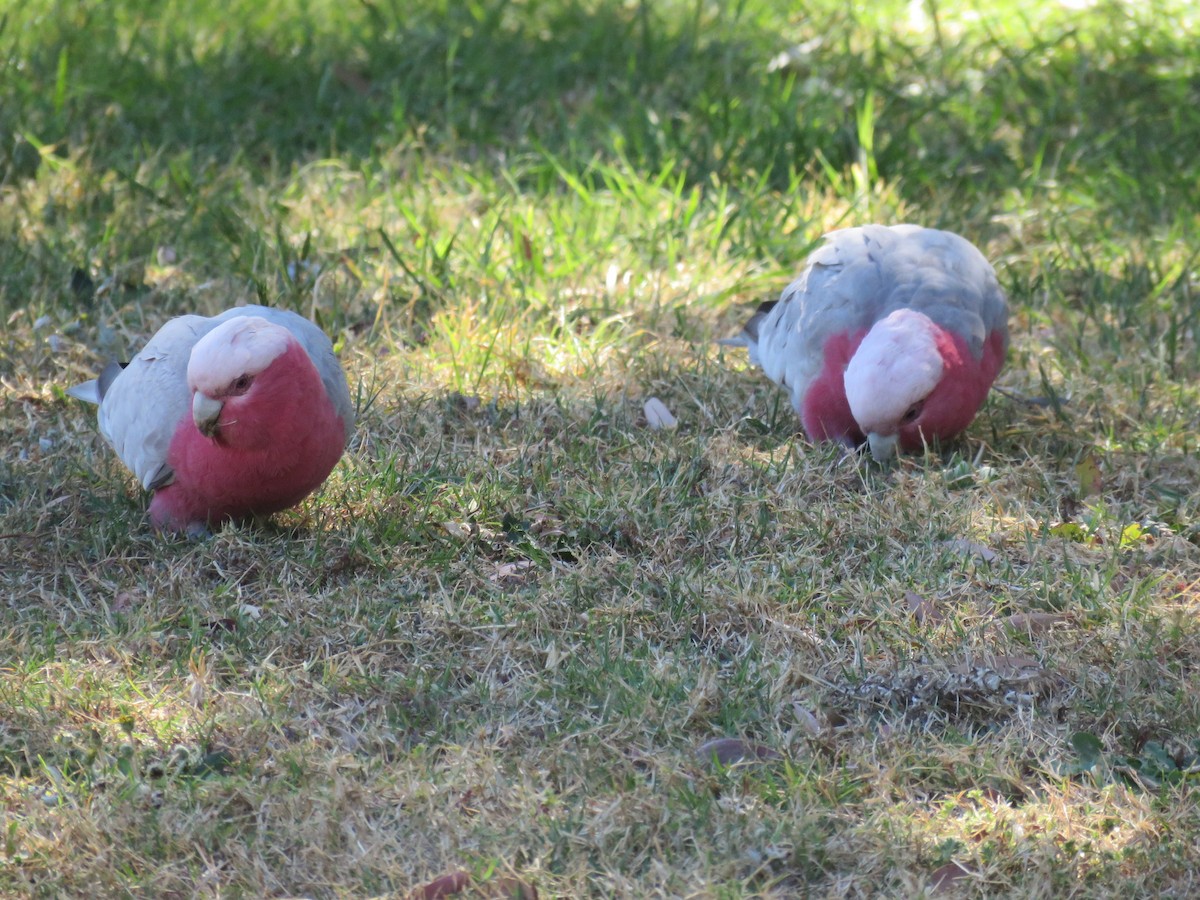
{"points": [[244, 345], [897, 364]]}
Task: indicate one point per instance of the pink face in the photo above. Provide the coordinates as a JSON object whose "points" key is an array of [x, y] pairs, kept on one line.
{"points": [[225, 361], [893, 371], [234, 373], [952, 404]]}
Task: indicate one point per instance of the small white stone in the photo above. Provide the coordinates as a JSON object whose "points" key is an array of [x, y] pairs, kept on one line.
{"points": [[657, 415]]}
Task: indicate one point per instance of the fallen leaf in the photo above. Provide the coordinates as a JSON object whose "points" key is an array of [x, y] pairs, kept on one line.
{"points": [[1031, 622], [511, 571], [808, 722], [1133, 534], [444, 886], [460, 530], [947, 876], [1072, 531], [730, 751], [924, 610], [657, 415], [554, 656], [1091, 480], [971, 548]]}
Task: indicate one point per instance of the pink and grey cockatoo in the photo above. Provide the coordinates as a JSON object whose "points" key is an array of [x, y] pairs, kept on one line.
{"points": [[226, 418], [891, 335]]}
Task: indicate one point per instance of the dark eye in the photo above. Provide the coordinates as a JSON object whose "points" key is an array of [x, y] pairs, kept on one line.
{"points": [[911, 415], [241, 385]]}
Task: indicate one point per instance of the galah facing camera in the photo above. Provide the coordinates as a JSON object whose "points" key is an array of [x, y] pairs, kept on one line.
{"points": [[226, 418], [891, 336]]}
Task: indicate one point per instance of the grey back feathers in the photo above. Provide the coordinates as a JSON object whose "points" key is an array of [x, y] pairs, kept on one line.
{"points": [[861, 275]]}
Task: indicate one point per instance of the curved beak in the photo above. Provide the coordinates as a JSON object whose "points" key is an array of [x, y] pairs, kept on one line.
{"points": [[206, 413], [883, 446]]}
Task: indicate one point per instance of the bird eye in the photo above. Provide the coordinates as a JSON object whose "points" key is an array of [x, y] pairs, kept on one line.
{"points": [[911, 415], [241, 385]]}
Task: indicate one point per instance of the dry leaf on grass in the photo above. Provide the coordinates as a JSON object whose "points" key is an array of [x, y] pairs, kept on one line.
{"points": [[466, 530], [809, 723], [443, 886], [1030, 623], [945, 878], [1091, 478], [657, 415], [512, 572], [923, 609], [730, 751]]}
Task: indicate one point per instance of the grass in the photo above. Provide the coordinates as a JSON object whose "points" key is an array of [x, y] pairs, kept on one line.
{"points": [[502, 638]]}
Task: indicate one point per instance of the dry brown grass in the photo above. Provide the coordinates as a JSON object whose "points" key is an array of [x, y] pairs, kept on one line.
{"points": [[497, 638]]}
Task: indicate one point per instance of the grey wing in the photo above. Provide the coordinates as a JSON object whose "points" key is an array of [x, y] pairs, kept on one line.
{"points": [[144, 403], [319, 348], [838, 290], [944, 276]]}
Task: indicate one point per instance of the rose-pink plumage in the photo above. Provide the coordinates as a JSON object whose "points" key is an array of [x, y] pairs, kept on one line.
{"points": [[891, 335], [227, 418]]}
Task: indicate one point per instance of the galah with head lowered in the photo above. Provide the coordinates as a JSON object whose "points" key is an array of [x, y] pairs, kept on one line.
{"points": [[891, 335], [226, 418]]}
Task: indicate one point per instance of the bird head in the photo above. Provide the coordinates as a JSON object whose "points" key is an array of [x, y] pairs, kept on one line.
{"points": [[225, 367], [892, 380]]}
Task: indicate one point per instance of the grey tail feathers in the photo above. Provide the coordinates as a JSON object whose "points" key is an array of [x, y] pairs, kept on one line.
{"points": [[749, 334], [93, 391], [109, 375]]}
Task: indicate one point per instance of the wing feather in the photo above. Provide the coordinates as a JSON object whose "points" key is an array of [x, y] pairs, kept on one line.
{"points": [[145, 402]]}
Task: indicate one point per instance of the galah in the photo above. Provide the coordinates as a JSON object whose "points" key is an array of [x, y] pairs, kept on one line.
{"points": [[891, 335], [226, 418]]}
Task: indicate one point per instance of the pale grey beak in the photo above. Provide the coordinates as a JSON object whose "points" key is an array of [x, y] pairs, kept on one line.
{"points": [[883, 446], [206, 413]]}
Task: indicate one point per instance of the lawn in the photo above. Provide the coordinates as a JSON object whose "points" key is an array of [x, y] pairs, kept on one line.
{"points": [[522, 643]]}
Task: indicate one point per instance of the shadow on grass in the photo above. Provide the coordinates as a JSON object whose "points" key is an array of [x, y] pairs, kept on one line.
{"points": [[276, 86]]}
